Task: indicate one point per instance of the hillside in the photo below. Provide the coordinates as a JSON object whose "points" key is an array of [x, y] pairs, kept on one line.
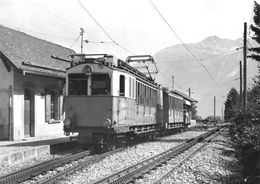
{"points": [[219, 56]]}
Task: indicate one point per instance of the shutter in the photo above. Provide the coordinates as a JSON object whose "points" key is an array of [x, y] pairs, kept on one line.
{"points": [[47, 107], [56, 106]]}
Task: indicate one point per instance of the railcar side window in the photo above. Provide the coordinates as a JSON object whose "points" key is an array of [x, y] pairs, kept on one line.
{"points": [[100, 84], [133, 88], [141, 94], [122, 85], [78, 84], [137, 92], [130, 87]]}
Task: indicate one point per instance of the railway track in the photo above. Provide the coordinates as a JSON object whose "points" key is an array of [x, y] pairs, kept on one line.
{"points": [[125, 176], [37, 169], [130, 174], [177, 165]]}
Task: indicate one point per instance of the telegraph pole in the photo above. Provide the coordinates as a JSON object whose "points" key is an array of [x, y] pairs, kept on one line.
{"points": [[189, 92], [81, 35], [214, 107], [173, 82], [222, 114], [245, 67], [241, 83]]}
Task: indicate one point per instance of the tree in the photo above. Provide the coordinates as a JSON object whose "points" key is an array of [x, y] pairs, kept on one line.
{"points": [[231, 105], [254, 100], [256, 29]]}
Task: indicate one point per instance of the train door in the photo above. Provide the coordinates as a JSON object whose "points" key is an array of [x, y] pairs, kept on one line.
{"points": [[28, 113]]}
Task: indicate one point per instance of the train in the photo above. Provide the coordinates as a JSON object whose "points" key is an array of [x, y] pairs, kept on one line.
{"points": [[109, 102]]}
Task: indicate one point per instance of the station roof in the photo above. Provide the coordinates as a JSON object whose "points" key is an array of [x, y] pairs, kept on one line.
{"points": [[33, 55]]}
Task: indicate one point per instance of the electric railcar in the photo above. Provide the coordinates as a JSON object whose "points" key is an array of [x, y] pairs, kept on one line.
{"points": [[107, 102]]}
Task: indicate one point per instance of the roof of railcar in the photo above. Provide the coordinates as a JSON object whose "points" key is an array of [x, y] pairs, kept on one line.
{"points": [[186, 97], [121, 66]]}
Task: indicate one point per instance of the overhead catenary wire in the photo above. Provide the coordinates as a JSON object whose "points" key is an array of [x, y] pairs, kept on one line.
{"points": [[184, 45], [61, 18], [99, 25], [41, 33], [74, 41], [206, 58]]}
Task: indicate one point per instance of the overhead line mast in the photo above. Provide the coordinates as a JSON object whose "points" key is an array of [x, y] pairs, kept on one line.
{"points": [[81, 35], [245, 67], [99, 25]]}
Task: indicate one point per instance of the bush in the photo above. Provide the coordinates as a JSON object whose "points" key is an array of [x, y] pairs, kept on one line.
{"points": [[245, 133]]}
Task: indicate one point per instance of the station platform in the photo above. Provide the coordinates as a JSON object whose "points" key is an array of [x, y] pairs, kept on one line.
{"points": [[12, 152]]}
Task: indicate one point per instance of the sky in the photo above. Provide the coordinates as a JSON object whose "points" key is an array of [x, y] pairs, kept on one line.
{"points": [[132, 26]]}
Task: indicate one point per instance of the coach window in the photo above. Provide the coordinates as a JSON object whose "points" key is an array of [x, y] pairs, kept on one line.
{"points": [[141, 94], [137, 92], [130, 87], [100, 84], [147, 95], [122, 85], [133, 88], [151, 97], [78, 84]]}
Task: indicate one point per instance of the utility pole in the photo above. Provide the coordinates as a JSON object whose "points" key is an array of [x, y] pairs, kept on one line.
{"points": [[241, 83], [81, 35], [173, 82], [222, 114], [245, 67], [214, 107], [189, 92]]}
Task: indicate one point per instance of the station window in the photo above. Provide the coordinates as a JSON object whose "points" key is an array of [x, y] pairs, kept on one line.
{"points": [[122, 85], [52, 106], [78, 84], [100, 84]]}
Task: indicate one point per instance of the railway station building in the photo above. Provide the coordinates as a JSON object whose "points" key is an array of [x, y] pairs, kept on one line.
{"points": [[32, 83]]}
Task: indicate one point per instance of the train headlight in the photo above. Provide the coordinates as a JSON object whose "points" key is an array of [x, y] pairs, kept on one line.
{"points": [[106, 122], [87, 70], [67, 122]]}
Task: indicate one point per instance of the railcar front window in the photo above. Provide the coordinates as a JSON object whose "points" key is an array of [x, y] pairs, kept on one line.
{"points": [[100, 84], [78, 84]]}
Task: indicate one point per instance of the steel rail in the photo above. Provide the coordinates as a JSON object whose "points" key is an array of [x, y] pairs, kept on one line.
{"points": [[74, 168], [131, 173], [34, 170], [177, 166]]}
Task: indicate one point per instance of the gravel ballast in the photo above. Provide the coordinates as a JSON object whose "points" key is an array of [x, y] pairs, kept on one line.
{"points": [[215, 163], [128, 157]]}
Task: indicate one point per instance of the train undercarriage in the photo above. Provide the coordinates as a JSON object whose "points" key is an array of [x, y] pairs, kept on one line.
{"points": [[108, 138]]}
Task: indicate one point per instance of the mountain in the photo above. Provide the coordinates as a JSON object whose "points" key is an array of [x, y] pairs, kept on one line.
{"points": [[213, 73]]}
